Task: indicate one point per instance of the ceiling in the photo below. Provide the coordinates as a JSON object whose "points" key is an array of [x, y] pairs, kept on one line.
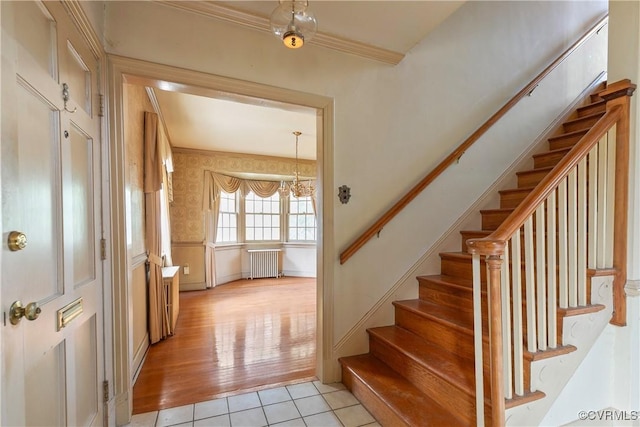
{"points": [[379, 30], [202, 123], [394, 25]]}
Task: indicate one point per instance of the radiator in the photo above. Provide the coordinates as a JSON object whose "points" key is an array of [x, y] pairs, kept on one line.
{"points": [[264, 263]]}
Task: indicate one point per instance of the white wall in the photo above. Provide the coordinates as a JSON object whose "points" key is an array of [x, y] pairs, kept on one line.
{"points": [[624, 62], [413, 113], [609, 377], [296, 260], [299, 260], [228, 263]]}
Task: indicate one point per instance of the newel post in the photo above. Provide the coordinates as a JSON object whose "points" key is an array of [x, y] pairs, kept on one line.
{"points": [[619, 94], [493, 250]]}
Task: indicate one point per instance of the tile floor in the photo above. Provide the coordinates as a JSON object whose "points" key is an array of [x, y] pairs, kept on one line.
{"points": [[307, 404]]}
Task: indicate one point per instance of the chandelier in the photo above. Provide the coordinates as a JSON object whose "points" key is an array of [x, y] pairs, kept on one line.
{"points": [[293, 23], [299, 188]]}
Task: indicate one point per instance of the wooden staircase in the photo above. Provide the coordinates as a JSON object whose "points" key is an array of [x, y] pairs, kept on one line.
{"points": [[420, 371]]}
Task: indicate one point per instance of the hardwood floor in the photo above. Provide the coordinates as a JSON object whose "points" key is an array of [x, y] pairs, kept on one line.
{"points": [[245, 335]]}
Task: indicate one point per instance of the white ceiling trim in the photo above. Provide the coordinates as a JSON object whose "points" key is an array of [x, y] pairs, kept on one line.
{"points": [[261, 23]]}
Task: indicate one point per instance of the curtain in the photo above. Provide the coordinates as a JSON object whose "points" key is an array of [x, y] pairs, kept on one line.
{"points": [[213, 184], [261, 188], [159, 326], [166, 196]]}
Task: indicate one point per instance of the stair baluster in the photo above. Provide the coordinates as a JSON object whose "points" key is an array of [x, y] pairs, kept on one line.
{"points": [[591, 232]]}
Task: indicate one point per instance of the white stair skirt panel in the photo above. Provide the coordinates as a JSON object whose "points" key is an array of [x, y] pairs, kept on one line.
{"points": [[553, 374]]}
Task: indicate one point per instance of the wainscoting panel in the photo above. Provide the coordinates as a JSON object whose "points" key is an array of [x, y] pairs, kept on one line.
{"points": [[189, 254], [139, 319], [229, 263]]}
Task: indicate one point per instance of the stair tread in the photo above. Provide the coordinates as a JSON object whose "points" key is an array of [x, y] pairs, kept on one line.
{"points": [[516, 190], [593, 104], [403, 398], [465, 284], [568, 134], [456, 369], [545, 169], [497, 210], [585, 118], [461, 318], [459, 255], [550, 152]]}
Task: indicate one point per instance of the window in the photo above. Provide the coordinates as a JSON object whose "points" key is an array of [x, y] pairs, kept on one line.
{"points": [[302, 220], [262, 217], [227, 219]]}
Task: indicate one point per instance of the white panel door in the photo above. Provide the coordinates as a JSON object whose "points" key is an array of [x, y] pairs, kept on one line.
{"points": [[53, 361]]}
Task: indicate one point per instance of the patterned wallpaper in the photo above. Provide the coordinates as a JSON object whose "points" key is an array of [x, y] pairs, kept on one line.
{"points": [[187, 217]]}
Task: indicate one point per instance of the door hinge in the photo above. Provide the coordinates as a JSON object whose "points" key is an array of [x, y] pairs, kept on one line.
{"points": [[103, 249], [100, 105], [105, 390]]}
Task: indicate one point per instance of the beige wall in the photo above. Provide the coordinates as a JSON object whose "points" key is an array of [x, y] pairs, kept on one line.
{"points": [[187, 215], [191, 254], [136, 102]]}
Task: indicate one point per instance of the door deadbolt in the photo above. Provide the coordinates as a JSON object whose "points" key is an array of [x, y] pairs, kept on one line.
{"points": [[17, 241], [17, 312]]}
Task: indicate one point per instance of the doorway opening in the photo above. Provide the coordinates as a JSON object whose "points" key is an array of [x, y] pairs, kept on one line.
{"points": [[322, 106]]}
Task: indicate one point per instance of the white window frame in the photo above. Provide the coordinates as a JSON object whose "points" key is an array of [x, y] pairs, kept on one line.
{"points": [[228, 214], [252, 197], [292, 223]]}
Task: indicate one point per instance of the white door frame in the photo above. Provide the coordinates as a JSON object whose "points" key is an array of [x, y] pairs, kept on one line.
{"points": [[126, 70]]}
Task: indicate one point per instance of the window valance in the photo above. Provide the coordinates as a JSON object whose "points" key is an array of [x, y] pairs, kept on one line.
{"points": [[215, 182]]}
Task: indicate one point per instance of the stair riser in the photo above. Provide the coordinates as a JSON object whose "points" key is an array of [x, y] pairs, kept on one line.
{"points": [[548, 159], [597, 107], [456, 267], [492, 220], [582, 123], [437, 333], [382, 413], [461, 268], [531, 178], [440, 293], [565, 141], [452, 398], [512, 199], [457, 342]]}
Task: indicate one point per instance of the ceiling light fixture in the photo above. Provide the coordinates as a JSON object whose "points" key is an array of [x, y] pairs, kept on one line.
{"points": [[299, 188], [293, 23]]}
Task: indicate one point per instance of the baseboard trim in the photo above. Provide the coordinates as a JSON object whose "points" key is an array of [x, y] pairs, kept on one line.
{"points": [[193, 286], [139, 356]]}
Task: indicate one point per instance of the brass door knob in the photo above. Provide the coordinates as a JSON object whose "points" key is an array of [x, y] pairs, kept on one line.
{"points": [[17, 312], [17, 241]]}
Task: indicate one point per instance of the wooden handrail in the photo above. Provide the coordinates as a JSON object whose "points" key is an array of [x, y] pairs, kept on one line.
{"points": [[458, 152], [488, 245]]}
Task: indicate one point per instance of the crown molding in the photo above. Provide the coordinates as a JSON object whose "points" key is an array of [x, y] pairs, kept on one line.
{"points": [[261, 23], [80, 19]]}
